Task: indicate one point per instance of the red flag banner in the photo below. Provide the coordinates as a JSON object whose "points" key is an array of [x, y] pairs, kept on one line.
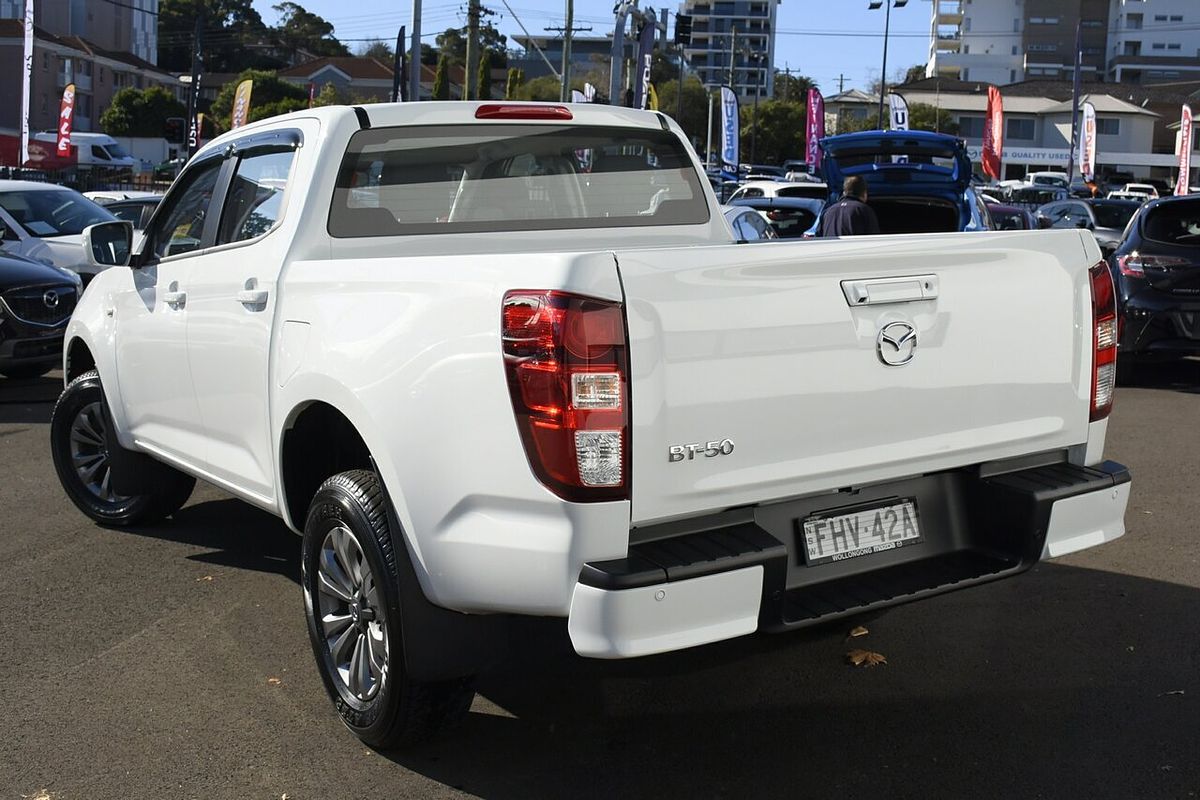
{"points": [[993, 134], [816, 130], [1185, 150], [66, 116]]}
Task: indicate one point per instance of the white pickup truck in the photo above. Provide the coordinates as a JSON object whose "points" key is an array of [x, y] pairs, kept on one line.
{"points": [[496, 358]]}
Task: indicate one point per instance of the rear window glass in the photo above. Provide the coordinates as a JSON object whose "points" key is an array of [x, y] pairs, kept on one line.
{"points": [[790, 223], [495, 178], [1173, 223], [1113, 215]]}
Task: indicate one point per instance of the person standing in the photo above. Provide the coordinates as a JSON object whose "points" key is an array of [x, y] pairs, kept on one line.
{"points": [[850, 216]]}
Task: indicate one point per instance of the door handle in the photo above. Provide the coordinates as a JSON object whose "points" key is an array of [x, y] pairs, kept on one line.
{"points": [[175, 299], [890, 290], [252, 297]]}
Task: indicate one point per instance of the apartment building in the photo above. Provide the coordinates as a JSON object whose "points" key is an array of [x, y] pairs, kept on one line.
{"points": [[737, 31], [128, 26], [1154, 40]]}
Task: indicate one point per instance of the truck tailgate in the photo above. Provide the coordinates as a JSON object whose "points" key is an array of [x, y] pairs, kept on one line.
{"points": [[754, 378]]}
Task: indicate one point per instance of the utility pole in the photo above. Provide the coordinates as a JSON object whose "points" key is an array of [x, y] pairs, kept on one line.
{"points": [[732, 56], [565, 95], [472, 47], [841, 83], [414, 80]]}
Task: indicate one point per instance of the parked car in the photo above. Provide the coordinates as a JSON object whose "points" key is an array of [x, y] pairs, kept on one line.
{"points": [[750, 189], [1051, 178], [1121, 194], [1149, 190], [789, 217], [748, 225], [43, 221], [1034, 196], [1156, 270], [761, 172], [1010, 218], [928, 191], [1106, 219], [36, 301], [137, 210], [459, 383]]}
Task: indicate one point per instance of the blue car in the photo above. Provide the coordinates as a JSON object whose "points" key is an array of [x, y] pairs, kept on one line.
{"points": [[917, 181]]}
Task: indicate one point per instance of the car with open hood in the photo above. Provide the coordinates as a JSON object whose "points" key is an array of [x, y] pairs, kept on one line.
{"points": [[917, 181]]}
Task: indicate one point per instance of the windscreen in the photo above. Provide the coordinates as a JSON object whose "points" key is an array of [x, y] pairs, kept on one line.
{"points": [[52, 212], [1174, 223], [495, 178]]}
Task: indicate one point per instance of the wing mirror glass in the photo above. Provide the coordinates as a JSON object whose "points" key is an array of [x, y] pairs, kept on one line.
{"points": [[108, 244]]}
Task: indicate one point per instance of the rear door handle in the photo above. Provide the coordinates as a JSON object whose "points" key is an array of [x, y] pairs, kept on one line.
{"points": [[175, 299], [873, 291], [252, 297]]}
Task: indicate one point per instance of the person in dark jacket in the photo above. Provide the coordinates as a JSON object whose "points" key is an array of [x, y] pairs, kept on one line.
{"points": [[851, 215]]}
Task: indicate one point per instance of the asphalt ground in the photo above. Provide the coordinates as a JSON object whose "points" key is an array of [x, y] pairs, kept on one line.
{"points": [[173, 661]]}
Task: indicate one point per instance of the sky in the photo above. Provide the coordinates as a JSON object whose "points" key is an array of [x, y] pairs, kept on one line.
{"points": [[823, 39]]}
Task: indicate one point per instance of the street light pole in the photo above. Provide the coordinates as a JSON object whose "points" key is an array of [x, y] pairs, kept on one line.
{"points": [[887, 23]]}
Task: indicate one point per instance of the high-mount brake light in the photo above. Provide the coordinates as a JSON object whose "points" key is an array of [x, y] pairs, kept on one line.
{"points": [[566, 361], [493, 111], [1104, 341]]}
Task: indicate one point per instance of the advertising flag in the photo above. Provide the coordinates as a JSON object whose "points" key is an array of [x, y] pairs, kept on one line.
{"points": [[28, 76], [399, 72], [815, 130], [641, 94], [899, 108], [1087, 144], [312, 93], [589, 93], [66, 116], [993, 134], [1185, 150], [578, 96], [729, 129], [241, 104]]}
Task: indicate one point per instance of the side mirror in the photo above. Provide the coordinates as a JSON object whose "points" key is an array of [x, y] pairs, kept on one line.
{"points": [[108, 244]]}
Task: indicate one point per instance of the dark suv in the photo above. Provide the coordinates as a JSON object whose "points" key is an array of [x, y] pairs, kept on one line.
{"points": [[1156, 270], [36, 301]]}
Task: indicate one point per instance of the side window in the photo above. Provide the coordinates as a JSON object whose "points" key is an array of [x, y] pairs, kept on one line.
{"points": [[100, 153], [255, 200], [182, 226], [753, 191]]}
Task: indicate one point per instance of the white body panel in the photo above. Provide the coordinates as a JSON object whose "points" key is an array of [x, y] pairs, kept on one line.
{"points": [[760, 346], [401, 335]]}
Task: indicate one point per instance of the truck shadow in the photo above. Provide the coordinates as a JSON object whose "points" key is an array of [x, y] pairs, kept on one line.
{"points": [[1182, 375], [28, 401], [1064, 682]]}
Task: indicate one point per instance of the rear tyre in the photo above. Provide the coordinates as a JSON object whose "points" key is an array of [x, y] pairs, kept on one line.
{"points": [[352, 603], [79, 445]]}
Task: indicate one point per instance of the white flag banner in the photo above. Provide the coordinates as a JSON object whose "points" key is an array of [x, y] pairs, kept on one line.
{"points": [[589, 93], [578, 96], [899, 108], [729, 129], [28, 76], [1087, 143]]}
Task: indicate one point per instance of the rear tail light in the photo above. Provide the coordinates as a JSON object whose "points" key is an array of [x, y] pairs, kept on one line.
{"points": [[1135, 265], [1104, 341], [566, 361]]}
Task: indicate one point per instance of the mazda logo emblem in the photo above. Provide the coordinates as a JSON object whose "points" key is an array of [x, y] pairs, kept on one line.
{"points": [[896, 343], [50, 298]]}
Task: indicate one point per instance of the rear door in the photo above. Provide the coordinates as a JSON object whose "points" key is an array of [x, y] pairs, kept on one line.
{"points": [[756, 373]]}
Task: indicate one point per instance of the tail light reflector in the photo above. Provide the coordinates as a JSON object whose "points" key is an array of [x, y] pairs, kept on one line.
{"points": [[1104, 341], [566, 361]]}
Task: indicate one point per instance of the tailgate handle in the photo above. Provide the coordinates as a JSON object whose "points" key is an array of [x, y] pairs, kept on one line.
{"points": [[873, 291]]}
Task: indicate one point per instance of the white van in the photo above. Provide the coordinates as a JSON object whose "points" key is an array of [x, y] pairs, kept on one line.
{"points": [[93, 149]]}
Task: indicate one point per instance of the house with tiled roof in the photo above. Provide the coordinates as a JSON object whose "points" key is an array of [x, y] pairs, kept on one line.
{"points": [[370, 79]]}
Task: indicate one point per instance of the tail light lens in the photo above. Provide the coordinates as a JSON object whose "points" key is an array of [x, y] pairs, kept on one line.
{"points": [[1104, 341], [566, 361], [1135, 264]]}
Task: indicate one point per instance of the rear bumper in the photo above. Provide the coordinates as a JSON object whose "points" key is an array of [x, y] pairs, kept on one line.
{"points": [[1154, 324], [715, 584]]}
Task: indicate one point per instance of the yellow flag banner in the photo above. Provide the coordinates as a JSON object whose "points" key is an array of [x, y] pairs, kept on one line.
{"points": [[652, 102], [241, 104]]}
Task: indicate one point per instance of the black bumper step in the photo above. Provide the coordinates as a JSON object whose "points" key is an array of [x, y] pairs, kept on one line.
{"points": [[1000, 530]]}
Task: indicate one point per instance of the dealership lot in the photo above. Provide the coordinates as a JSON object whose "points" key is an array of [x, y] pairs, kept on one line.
{"points": [[172, 662]]}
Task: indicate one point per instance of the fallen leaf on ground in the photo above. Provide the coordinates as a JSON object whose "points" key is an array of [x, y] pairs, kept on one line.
{"points": [[865, 658], [204, 578], [274, 681], [1173, 691], [857, 631]]}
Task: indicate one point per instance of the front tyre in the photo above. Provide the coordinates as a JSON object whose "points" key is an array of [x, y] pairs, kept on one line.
{"points": [[352, 603], [79, 445]]}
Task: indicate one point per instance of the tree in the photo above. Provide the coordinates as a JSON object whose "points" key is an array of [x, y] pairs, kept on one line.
{"points": [[271, 96], [483, 81], [134, 112], [793, 87], [328, 96], [924, 117], [453, 42], [545, 88], [695, 106], [230, 26], [779, 130], [377, 48], [914, 73], [300, 29], [441, 78], [516, 77]]}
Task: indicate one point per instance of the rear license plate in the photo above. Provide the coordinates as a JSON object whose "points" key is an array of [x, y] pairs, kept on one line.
{"points": [[838, 536]]}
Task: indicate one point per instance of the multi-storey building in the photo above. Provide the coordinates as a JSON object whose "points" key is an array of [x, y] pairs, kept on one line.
{"points": [[737, 32], [130, 26], [1154, 40]]}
